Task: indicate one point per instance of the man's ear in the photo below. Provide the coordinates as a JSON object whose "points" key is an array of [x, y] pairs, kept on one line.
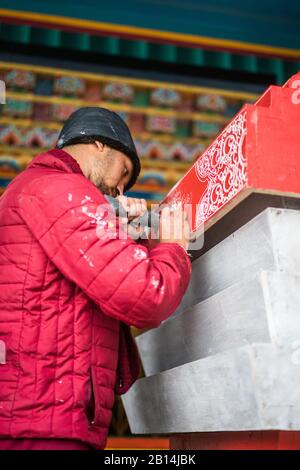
{"points": [[99, 145]]}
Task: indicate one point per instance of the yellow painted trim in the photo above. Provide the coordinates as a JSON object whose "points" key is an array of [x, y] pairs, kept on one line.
{"points": [[29, 122], [146, 162], [20, 151], [125, 108], [152, 33], [131, 81], [163, 138], [171, 139], [8, 174], [165, 165]]}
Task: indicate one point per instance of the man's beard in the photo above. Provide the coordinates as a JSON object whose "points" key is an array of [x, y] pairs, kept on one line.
{"points": [[97, 178], [106, 190]]}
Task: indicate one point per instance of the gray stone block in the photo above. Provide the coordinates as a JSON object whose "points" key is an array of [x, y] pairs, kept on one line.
{"points": [[249, 388], [265, 308], [246, 210], [270, 241]]}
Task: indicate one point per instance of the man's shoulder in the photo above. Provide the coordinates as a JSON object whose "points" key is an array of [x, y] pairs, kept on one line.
{"points": [[48, 180], [56, 187]]}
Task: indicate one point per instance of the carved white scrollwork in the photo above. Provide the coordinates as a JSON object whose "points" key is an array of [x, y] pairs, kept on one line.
{"points": [[223, 165]]}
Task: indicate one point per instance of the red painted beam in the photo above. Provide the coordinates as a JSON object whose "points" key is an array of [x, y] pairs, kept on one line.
{"points": [[257, 152]]}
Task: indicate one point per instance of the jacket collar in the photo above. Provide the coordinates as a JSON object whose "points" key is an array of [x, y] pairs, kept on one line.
{"points": [[58, 159]]}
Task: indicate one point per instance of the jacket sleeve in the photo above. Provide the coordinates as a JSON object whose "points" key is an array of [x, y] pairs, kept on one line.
{"points": [[141, 288]]}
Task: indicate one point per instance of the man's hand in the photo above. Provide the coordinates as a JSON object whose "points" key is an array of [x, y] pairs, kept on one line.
{"points": [[133, 206], [174, 226]]}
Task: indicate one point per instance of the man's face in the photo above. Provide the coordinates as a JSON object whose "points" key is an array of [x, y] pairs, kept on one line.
{"points": [[111, 170]]}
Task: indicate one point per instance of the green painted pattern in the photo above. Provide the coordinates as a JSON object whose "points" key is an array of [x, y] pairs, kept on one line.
{"points": [[268, 22], [280, 68]]}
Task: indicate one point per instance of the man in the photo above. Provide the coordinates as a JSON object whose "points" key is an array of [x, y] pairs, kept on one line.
{"points": [[71, 286]]}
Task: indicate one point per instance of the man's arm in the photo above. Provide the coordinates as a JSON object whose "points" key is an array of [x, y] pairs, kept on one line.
{"points": [[130, 283]]}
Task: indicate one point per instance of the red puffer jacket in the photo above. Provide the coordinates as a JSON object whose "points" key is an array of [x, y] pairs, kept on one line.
{"points": [[68, 292]]}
